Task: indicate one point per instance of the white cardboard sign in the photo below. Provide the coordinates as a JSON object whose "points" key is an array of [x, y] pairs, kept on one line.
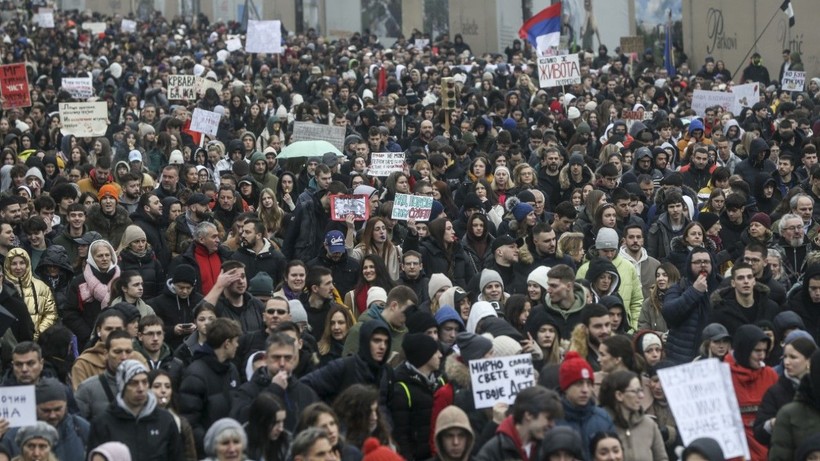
{"points": [[84, 119], [18, 405], [264, 37], [78, 87], [205, 121], [384, 163], [558, 70], [500, 379]]}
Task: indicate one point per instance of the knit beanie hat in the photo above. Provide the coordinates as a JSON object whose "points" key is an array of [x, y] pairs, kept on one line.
{"points": [[261, 285], [437, 282], [521, 211], [488, 276], [126, 372], [539, 276], [108, 190], [297, 311], [376, 294], [39, 430], [49, 390], [576, 159], [113, 451], [176, 157], [131, 234], [762, 218], [472, 346], [504, 346], [217, 428], [708, 219], [419, 348], [420, 321], [607, 239], [562, 438], [374, 451], [650, 339], [184, 273], [807, 347], [128, 310], [573, 369]]}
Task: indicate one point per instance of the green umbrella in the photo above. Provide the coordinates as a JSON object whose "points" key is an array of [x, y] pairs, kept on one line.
{"points": [[300, 149]]}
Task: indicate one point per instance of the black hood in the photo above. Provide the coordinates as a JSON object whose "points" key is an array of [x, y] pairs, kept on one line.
{"points": [[713, 279], [55, 255], [808, 446], [812, 271], [538, 318], [744, 341], [500, 327], [366, 333], [599, 266]]}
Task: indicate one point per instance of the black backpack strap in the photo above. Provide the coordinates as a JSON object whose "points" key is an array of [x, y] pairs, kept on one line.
{"points": [[108, 392]]}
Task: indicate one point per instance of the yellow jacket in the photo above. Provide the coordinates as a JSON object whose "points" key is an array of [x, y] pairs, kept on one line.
{"points": [[37, 295]]}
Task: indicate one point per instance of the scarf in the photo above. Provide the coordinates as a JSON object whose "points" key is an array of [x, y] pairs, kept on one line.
{"points": [[209, 267], [361, 298], [290, 294], [94, 289]]}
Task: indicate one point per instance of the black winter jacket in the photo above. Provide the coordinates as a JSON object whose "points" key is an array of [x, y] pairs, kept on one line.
{"points": [[56, 255], [296, 397], [269, 260], [773, 400], [412, 407], [149, 267], [78, 315], [729, 313], [173, 311], [154, 234], [345, 271], [205, 392], [435, 261], [153, 437]]}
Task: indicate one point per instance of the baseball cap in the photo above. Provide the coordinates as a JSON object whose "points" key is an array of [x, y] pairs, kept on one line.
{"points": [[715, 332], [198, 198], [335, 241]]}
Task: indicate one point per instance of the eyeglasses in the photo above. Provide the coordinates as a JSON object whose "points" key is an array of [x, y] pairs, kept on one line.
{"points": [[635, 391], [276, 311], [701, 263], [793, 228]]}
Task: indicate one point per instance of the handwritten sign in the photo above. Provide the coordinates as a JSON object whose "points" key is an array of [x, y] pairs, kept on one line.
{"points": [[309, 131], [202, 84], [205, 121], [745, 96], [45, 18], [343, 205], [78, 87], [95, 28], [84, 119], [181, 87], [14, 81], [264, 37], [632, 45], [384, 163], [703, 99], [18, 405], [704, 404], [129, 26], [420, 43], [233, 43], [418, 207], [793, 80], [500, 379], [558, 70]]}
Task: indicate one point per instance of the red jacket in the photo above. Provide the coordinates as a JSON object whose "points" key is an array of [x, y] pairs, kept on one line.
{"points": [[750, 385]]}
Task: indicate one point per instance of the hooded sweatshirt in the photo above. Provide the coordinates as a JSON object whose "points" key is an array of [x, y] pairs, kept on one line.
{"points": [[750, 383], [570, 317], [453, 417], [599, 267]]}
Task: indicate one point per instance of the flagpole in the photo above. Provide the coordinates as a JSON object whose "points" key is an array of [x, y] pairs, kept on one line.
{"points": [[743, 61]]}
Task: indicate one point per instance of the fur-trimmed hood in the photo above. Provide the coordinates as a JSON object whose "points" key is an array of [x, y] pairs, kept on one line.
{"points": [[677, 244], [564, 176], [457, 371]]}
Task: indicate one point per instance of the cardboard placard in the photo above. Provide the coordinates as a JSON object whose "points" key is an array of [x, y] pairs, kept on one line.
{"points": [[14, 86], [558, 70], [181, 87], [343, 205], [18, 405], [703, 99], [632, 44], [500, 379], [264, 37], [309, 131], [205, 121], [202, 84], [384, 163], [793, 80], [84, 119], [129, 26], [45, 18], [78, 87], [95, 28], [420, 43], [233, 43], [745, 96], [418, 207], [702, 398]]}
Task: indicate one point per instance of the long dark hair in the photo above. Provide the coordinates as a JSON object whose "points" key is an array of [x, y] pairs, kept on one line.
{"points": [[353, 408], [382, 274], [437, 228], [263, 417], [616, 382]]}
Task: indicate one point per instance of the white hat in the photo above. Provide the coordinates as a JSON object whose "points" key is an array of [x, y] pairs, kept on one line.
{"points": [[176, 158], [134, 156], [573, 113], [115, 70]]}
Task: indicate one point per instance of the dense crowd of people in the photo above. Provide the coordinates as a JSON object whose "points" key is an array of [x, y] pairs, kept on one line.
{"points": [[173, 295]]}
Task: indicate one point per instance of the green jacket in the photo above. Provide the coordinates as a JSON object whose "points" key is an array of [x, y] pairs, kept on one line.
{"points": [[795, 422], [630, 289], [374, 313]]}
